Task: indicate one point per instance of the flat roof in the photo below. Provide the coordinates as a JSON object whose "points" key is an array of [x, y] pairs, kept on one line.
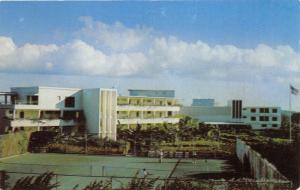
{"points": [[47, 87], [150, 97], [224, 123], [147, 90]]}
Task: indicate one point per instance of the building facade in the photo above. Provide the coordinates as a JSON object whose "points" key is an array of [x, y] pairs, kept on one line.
{"points": [[262, 117], [225, 115], [147, 110], [98, 110], [65, 109]]}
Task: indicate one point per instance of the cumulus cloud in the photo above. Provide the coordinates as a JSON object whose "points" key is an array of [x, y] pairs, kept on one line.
{"points": [[116, 50]]}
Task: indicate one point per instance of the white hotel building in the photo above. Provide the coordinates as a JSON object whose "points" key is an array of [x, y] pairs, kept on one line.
{"points": [[262, 117], [258, 118], [98, 110]]}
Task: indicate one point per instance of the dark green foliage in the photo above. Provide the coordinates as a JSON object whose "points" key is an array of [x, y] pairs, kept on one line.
{"points": [[99, 185], [140, 183], [41, 182], [177, 185], [40, 139]]}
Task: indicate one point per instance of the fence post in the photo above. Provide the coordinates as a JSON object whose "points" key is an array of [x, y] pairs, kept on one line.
{"points": [[56, 181], [85, 137], [111, 182], [103, 167], [91, 170]]}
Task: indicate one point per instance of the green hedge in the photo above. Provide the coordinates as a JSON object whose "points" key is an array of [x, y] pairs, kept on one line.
{"points": [[14, 143]]}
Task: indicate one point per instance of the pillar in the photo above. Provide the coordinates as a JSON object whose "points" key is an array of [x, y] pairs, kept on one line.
{"points": [[14, 114]]}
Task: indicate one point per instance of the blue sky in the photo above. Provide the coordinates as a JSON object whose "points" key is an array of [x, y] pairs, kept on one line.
{"points": [[219, 49]]}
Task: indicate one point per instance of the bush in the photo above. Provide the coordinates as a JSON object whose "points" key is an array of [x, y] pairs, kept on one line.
{"points": [[14, 143]]}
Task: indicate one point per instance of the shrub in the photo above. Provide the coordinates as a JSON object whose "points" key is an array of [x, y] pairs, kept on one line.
{"points": [[41, 182]]}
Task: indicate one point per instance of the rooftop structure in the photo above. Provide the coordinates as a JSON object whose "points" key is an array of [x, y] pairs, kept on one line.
{"points": [[152, 93], [208, 102]]}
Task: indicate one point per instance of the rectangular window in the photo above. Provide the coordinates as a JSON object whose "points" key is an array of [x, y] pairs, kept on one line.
{"points": [[266, 110], [274, 110], [148, 112], [263, 125], [244, 117], [253, 110], [274, 125], [70, 102], [261, 118], [261, 110], [253, 118], [35, 100], [274, 118], [169, 113], [22, 114]]}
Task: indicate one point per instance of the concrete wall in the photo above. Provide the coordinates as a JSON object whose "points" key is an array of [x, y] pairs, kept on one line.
{"points": [[100, 110], [91, 109], [208, 114], [261, 169], [54, 98]]}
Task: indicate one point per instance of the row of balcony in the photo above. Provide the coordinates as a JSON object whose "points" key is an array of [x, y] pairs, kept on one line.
{"points": [[41, 122], [147, 108], [148, 121]]}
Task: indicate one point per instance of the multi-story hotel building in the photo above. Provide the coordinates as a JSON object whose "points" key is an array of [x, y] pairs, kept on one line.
{"points": [[144, 110], [262, 117], [43, 108], [258, 118], [98, 110]]}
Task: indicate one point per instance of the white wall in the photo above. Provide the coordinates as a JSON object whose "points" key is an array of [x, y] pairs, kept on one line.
{"points": [[54, 98], [100, 110], [91, 109]]}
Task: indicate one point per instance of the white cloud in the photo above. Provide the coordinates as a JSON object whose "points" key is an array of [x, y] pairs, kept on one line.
{"points": [[115, 37], [116, 50]]}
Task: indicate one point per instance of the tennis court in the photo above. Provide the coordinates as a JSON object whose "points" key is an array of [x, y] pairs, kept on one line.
{"points": [[82, 169]]}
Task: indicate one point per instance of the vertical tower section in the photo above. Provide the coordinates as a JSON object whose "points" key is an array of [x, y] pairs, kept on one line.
{"points": [[236, 107], [108, 113], [100, 109]]}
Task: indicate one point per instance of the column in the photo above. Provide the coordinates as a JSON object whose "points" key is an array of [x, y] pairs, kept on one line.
{"points": [[14, 114]]}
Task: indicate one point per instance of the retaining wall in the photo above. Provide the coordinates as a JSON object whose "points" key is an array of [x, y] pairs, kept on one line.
{"points": [[261, 169]]}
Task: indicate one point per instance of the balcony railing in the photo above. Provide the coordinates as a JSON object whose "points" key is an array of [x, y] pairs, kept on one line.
{"points": [[19, 102]]}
